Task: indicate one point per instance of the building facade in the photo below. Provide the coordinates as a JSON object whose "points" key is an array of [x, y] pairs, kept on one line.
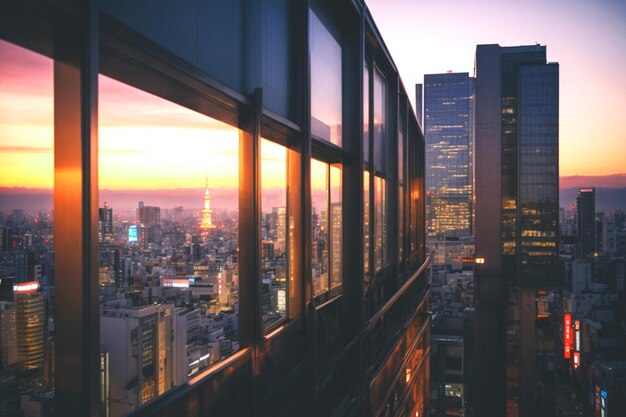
{"points": [[516, 227], [586, 222], [345, 325], [448, 131]]}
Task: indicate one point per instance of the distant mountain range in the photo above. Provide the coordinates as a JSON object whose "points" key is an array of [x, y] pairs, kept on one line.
{"points": [[604, 181], [34, 199]]}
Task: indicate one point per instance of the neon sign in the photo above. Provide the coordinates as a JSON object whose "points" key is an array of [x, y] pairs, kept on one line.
{"points": [[567, 335], [132, 233], [26, 287]]}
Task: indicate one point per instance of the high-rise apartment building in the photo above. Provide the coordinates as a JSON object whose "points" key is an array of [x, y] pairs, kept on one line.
{"points": [[148, 215], [586, 222], [516, 154], [448, 131]]}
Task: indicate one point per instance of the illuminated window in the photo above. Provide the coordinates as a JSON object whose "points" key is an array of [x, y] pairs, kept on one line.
{"points": [[366, 225], [326, 227], [380, 121], [274, 235], [400, 194], [366, 113], [169, 267], [380, 223]]}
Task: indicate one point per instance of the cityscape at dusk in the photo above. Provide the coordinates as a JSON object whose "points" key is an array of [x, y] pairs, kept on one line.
{"points": [[311, 207]]}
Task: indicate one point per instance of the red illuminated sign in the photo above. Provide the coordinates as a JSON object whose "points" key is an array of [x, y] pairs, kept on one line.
{"points": [[26, 287], [576, 359], [567, 335]]}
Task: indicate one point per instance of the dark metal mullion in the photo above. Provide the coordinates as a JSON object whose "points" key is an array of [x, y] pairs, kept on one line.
{"points": [[251, 332], [305, 173], [250, 317], [329, 226], [371, 167], [405, 176], [393, 107], [77, 359]]}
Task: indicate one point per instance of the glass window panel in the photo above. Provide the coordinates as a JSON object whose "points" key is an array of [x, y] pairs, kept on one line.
{"points": [[400, 156], [335, 225], [366, 225], [400, 222], [366, 113], [380, 121], [400, 193], [326, 73], [319, 225], [169, 279], [380, 223], [274, 240], [27, 303]]}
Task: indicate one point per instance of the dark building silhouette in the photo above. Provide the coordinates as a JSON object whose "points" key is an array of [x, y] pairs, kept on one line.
{"points": [[105, 222], [516, 226], [586, 222], [419, 102]]}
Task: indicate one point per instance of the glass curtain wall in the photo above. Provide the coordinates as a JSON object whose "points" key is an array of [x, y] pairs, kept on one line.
{"points": [[168, 267], [326, 78]]}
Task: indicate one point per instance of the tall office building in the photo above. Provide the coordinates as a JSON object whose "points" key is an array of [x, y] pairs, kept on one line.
{"points": [[29, 325], [105, 222], [586, 222], [419, 102], [448, 131], [517, 113], [148, 215]]}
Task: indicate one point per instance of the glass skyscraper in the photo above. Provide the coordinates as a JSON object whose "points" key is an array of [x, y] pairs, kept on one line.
{"points": [[448, 131], [517, 179]]}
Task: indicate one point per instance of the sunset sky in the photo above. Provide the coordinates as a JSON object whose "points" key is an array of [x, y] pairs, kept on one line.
{"points": [[149, 143], [586, 37]]}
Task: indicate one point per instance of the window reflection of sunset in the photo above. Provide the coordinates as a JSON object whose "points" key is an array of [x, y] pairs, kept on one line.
{"points": [[273, 164], [26, 118], [319, 185], [149, 143]]}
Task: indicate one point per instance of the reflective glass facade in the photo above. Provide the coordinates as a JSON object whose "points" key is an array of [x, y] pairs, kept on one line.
{"points": [[449, 140], [538, 150], [216, 222], [511, 60], [326, 72], [517, 200]]}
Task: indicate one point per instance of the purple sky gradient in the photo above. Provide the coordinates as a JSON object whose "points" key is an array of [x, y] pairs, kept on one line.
{"points": [[587, 38]]}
